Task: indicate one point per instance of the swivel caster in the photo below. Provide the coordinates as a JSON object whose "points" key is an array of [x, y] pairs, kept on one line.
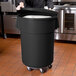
{"points": [[50, 66], [43, 70], [29, 69]]}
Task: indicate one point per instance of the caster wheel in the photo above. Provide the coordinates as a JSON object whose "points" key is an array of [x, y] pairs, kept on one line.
{"points": [[43, 70], [29, 69], [50, 66]]}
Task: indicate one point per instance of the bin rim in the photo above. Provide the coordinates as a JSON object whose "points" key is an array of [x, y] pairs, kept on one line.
{"points": [[50, 18], [36, 16]]}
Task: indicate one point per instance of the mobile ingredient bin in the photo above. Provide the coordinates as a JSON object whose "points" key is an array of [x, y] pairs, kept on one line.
{"points": [[37, 37]]}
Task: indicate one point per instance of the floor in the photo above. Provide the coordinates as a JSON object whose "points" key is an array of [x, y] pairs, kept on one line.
{"points": [[11, 64]]}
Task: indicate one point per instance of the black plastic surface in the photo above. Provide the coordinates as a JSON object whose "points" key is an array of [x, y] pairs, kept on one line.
{"points": [[36, 26], [39, 11], [37, 50], [36, 11], [37, 37]]}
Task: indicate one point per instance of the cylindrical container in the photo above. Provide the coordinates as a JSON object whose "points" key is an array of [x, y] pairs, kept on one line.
{"points": [[37, 41]]}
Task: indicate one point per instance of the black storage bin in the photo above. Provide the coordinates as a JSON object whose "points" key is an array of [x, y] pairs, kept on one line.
{"points": [[37, 37]]}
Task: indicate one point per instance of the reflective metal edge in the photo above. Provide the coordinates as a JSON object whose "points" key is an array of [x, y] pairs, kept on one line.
{"points": [[68, 37]]}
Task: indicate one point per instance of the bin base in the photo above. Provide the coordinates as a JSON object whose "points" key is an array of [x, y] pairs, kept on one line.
{"points": [[42, 70]]}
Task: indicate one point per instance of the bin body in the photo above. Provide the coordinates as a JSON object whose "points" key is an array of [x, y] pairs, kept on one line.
{"points": [[37, 41]]}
